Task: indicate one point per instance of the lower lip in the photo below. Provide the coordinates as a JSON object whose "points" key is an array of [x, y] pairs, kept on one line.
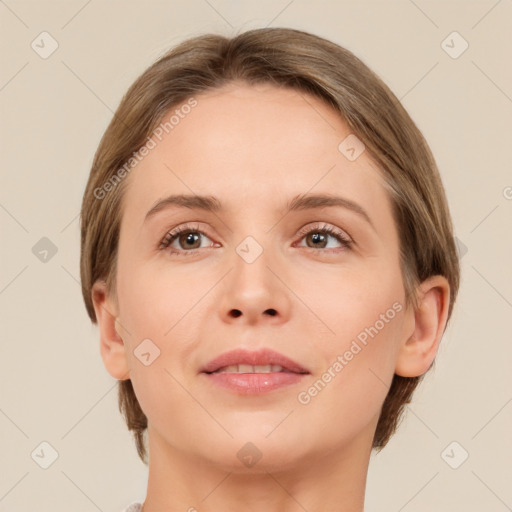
{"points": [[255, 383]]}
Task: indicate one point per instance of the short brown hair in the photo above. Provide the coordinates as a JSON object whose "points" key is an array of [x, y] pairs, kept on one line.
{"points": [[308, 64]]}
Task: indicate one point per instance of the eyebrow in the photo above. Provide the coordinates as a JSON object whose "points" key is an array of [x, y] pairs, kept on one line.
{"points": [[298, 203]]}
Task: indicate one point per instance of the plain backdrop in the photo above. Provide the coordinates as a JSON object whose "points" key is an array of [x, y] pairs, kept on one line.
{"points": [[453, 449]]}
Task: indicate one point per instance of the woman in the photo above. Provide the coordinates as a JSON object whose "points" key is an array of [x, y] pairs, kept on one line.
{"points": [[268, 252]]}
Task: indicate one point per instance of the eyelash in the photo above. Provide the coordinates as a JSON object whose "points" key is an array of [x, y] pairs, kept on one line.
{"points": [[171, 236]]}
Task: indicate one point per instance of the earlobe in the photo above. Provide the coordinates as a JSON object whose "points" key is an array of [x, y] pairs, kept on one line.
{"points": [[418, 349], [112, 347]]}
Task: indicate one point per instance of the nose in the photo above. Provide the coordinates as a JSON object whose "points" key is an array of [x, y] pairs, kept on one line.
{"points": [[254, 292]]}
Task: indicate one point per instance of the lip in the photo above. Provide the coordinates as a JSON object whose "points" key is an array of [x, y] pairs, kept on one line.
{"points": [[260, 357], [254, 383]]}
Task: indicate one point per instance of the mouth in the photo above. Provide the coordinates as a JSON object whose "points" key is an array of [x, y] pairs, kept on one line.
{"points": [[260, 361], [249, 368], [253, 372]]}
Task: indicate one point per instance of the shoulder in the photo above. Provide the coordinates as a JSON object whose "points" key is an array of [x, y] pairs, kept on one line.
{"points": [[134, 507]]}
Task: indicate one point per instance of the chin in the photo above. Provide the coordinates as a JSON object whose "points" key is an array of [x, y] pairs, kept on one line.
{"points": [[251, 452]]}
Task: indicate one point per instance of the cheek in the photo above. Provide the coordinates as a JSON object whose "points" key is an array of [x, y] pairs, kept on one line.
{"points": [[162, 311], [346, 301], [154, 302], [362, 316], [347, 391], [161, 316]]}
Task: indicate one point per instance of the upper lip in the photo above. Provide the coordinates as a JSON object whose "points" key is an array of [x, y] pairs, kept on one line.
{"points": [[260, 357]]}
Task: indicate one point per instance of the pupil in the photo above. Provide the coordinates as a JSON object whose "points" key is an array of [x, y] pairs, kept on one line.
{"points": [[317, 237], [189, 238]]}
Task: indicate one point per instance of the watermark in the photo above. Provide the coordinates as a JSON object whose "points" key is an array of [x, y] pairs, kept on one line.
{"points": [[138, 156], [454, 455], [44, 250], [461, 247], [146, 352], [44, 455], [249, 454], [304, 397], [44, 45], [249, 249], [507, 193], [351, 147], [454, 45]]}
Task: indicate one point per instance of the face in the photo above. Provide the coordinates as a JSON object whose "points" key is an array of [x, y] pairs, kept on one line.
{"points": [[317, 283]]}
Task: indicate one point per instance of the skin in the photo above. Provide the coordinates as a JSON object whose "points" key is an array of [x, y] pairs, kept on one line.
{"points": [[255, 148]]}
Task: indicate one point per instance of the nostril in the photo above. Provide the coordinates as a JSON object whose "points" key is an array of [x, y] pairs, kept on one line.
{"points": [[236, 312]]}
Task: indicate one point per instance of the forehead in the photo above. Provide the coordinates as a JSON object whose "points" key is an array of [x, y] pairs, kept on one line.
{"points": [[249, 144], [260, 126]]}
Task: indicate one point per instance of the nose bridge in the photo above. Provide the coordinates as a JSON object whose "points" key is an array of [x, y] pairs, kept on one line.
{"points": [[252, 290]]}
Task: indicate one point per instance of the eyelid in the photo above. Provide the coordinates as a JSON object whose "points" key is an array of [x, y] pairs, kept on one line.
{"points": [[342, 235], [172, 233], [321, 225], [343, 238]]}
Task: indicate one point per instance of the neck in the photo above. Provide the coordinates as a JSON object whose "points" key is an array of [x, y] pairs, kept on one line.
{"points": [[333, 481]]}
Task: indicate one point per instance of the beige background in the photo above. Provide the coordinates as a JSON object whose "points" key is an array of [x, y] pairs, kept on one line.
{"points": [[53, 386]]}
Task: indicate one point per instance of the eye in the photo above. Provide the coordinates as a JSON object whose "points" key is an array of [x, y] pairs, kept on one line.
{"points": [[317, 237], [188, 238]]}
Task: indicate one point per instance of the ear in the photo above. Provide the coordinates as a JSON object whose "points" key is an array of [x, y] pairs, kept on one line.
{"points": [[416, 354], [112, 347]]}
